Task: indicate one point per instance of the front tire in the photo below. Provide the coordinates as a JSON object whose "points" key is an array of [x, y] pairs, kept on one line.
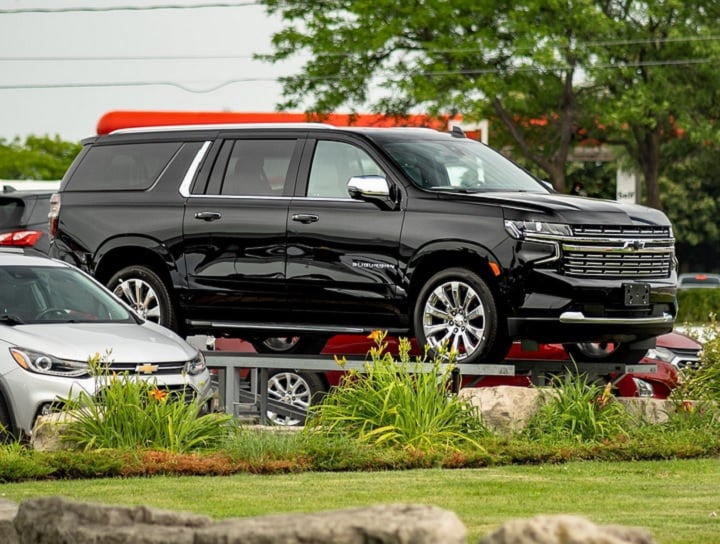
{"points": [[144, 290], [456, 309]]}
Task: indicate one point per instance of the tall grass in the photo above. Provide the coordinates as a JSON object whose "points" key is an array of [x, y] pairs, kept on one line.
{"points": [[578, 410], [130, 413], [394, 404]]}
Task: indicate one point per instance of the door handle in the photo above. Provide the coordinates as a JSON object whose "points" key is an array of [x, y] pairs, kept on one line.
{"points": [[305, 218], [208, 216]]}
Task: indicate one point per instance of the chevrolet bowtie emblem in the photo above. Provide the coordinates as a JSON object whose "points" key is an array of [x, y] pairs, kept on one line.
{"points": [[634, 244], [146, 368]]}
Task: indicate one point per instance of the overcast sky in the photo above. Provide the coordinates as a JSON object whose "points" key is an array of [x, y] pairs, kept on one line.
{"points": [[110, 51]]}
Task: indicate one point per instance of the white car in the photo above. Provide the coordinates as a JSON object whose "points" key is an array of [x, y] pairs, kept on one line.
{"points": [[54, 318]]}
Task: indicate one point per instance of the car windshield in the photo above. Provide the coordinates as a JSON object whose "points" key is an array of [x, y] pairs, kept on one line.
{"points": [[51, 294], [460, 165]]}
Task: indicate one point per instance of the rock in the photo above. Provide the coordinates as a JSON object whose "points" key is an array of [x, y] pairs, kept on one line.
{"points": [[56, 520], [8, 511], [565, 529], [504, 408], [383, 524], [60, 521], [46, 433]]}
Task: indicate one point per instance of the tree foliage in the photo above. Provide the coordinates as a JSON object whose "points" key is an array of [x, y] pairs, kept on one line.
{"points": [[638, 76], [553, 73], [37, 158]]}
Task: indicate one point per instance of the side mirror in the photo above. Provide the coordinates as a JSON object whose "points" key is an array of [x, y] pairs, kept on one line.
{"points": [[374, 189]]}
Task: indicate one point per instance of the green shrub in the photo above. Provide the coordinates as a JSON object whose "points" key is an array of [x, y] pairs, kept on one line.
{"points": [[132, 413], [394, 404], [578, 410], [697, 305], [702, 384]]}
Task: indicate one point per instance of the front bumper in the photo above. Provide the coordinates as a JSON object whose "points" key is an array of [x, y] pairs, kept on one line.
{"points": [[552, 307], [32, 394]]}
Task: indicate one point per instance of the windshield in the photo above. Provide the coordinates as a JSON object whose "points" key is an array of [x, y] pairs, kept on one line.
{"points": [[45, 294], [460, 165]]}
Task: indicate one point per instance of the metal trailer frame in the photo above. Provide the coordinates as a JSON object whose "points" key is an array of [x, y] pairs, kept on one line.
{"points": [[251, 399]]}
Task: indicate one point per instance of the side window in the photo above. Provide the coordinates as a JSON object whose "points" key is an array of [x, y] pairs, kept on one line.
{"points": [[256, 167], [122, 167], [334, 163]]}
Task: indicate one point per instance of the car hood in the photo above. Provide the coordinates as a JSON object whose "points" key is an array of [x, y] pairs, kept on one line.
{"points": [[675, 340], [570, 209], [126, 342]]}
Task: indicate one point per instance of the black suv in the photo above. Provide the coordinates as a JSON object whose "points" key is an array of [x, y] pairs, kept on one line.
{"points": [[24, 218], [288, 234]]}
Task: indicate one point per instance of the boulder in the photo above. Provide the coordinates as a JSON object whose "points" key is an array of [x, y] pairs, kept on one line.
{"points": [[8, 511], [60, 521], [565, 529], [504, 408]]}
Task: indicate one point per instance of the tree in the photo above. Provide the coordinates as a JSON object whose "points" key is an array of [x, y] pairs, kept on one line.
{"points": [[39, 157], [659, 79], [545, 70]]}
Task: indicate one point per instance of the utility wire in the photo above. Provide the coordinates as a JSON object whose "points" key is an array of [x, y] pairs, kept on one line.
{"points": [[385, 76], [128, 8]]}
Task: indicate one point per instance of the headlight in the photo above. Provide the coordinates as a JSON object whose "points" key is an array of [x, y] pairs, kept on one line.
{"points": [[196, 365], [42, 363], [540, 229], [644, 389], [661, 354]]}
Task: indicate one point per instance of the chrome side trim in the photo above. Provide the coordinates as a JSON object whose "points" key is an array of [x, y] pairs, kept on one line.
{"points": [[579, 317], [184, 188]]}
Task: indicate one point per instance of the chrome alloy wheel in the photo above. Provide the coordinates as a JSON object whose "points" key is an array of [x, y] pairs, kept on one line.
{"points": [[141, 297], [454, 316], [292, 389], [281, 344]]}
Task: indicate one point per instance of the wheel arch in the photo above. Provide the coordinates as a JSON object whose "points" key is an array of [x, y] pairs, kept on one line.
{"points": [[118, 253], [437, 257], [4, 403]]}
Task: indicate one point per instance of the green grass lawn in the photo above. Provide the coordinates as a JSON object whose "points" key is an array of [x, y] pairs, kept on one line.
{"points": [[679, 501]]}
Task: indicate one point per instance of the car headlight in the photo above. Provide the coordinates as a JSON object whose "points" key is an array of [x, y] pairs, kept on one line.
{"points": [[42, 363], [523, 230], [644, 389], [660, 354], [196, 365]]}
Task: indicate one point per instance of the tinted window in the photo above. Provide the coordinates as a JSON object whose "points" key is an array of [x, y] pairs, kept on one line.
{"points": [[122, 167], [464, 165], [254, 167], [334, 163], [11, 210]]}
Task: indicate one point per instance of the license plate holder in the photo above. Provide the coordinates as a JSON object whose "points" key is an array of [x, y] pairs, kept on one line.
{"points": [[637, 294]]}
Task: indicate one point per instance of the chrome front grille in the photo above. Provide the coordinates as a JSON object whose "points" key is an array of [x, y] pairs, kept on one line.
{"points": [[607, 251], [141, 369]]}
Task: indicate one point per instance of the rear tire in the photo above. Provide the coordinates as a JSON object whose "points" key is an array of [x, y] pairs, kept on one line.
{"points": [[608, 352], [456, 307], [298, 389], [282, 345], [6, 430], [142, 289]]}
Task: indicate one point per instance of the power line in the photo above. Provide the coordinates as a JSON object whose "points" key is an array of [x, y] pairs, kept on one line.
{"points": [[85, 58], [81, 9], [122, 58], [387, 76]]}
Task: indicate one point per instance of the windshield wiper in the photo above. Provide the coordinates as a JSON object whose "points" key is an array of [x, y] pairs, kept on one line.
{"points": [[11, 319]]}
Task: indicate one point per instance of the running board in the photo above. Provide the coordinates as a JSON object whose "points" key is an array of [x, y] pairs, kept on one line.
{"points": [[289, 327]]}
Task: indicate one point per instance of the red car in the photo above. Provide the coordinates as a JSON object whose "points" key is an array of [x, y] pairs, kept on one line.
{"points": [[674, 351]]}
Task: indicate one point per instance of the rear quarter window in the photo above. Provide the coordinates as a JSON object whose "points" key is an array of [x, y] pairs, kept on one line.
{"points": [[122, 167]]}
